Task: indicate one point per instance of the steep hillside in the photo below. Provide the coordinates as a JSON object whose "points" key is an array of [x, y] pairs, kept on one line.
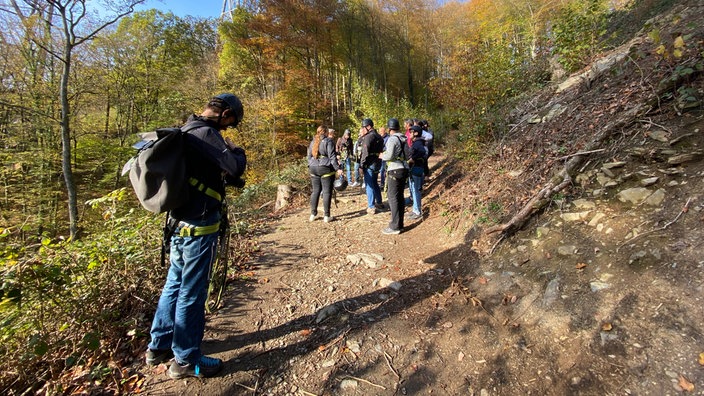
{"points": [[567, 261]]}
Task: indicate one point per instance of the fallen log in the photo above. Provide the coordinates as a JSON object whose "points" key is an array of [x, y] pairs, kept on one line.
{"points": [[566, 175]]}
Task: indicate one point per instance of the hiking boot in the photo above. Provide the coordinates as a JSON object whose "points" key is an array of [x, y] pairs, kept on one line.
{"points": [[155, 357], [328, 219], [312, 218], [390, 231], [206, 367], [414, 216], [380, 206]]}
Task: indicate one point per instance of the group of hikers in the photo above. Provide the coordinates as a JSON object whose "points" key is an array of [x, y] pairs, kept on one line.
{"points": [[397, 157], [214, 162]]}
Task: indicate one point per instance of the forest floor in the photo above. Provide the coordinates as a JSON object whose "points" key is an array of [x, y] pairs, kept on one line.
{"points": [[600, 293]]}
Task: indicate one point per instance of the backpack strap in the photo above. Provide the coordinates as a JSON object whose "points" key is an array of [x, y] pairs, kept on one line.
{"points": [[204, 189]]}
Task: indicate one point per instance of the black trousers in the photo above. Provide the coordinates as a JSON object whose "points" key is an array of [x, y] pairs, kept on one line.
{"points": [[396, 182], [320, 185]]}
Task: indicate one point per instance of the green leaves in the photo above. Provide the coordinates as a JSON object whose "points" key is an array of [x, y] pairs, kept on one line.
{"points": [[578, 30]]}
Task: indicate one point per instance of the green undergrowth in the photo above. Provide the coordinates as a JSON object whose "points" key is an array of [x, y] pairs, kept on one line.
{"points": [[74, 312]]}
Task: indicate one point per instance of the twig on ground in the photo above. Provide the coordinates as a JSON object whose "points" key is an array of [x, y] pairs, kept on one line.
{"points": [[335, 341], [306, 393], [265, 205], [365, 381], [581, 153], [388, 362], [501, 238], [684, 210], [680, 138], [245, 386], [515, 318], [654, 124]]}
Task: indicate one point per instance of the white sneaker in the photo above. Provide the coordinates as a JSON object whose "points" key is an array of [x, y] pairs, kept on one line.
{"points": [[311, 218], [328, 219]]}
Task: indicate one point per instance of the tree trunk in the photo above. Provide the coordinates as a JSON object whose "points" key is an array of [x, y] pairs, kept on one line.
{"points": [[66, 142]]}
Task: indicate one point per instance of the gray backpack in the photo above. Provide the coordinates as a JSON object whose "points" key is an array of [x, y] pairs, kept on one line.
{"points": [[158, 171]]}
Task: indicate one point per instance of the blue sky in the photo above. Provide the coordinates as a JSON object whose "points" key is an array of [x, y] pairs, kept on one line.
{"points": [[198, 8]]}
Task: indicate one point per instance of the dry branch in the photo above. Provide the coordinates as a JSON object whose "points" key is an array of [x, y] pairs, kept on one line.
{"points": [[684, 210], [565, 176]]}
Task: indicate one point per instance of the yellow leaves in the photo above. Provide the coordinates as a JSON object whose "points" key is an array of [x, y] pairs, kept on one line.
{"points": [[679, 42], [678, 48], [607, 327]]}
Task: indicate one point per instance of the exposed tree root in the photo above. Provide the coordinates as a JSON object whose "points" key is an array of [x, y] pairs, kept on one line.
{"points": [[566, 175]]}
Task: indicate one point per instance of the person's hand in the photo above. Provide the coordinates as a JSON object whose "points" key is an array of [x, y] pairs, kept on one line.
{"points": [[339, 172]]}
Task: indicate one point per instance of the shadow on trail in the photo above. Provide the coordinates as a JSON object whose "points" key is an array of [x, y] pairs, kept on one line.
{"points": [[360, 312]]}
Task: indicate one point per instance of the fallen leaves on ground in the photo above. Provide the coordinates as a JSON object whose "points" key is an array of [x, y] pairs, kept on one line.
{"points": [[685, 384]]}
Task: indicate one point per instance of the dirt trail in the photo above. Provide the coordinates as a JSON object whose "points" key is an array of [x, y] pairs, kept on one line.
{"points": [[600, 293], [369, 336], [430, 317]]}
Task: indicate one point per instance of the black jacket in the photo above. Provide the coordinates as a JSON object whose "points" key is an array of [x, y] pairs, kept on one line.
{"points": [[372, 146], [213, 164]]}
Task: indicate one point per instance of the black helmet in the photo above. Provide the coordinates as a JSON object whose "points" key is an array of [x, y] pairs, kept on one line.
{"points": [[416, 131], [233, 103], [367, 122], [393, 124], [340, 184]]}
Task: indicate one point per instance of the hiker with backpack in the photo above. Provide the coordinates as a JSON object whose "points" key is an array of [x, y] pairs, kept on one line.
{"points": [[211, 163], [372, 146], [395, 154], [357, 151], [323, 168], [344, 148], [418, 162]]}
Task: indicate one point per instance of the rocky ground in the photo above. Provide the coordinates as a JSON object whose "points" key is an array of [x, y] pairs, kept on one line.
{"points": [[600, 293]]}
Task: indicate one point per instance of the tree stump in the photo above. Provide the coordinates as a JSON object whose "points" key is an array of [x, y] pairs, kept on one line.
{"points": [[283, 196]]}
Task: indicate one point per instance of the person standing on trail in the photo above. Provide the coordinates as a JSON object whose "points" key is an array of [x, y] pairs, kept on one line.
{"points": [[418, 162], [372, 146], [179, 322], [322, 166], [395, 155], [357, 149], [428, 137], [344, 148], [385, 136], [407, 124]]}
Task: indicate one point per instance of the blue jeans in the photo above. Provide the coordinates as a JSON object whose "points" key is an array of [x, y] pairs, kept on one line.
{"points": [[348, 167], [356, 172], [371, 181], [383, 174], [415, 182], [179, 321]]}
